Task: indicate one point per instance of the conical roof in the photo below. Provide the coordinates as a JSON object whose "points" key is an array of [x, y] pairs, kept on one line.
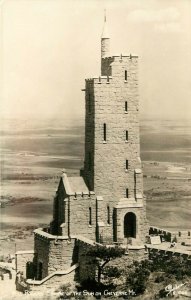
{"points": [[105, 34]]}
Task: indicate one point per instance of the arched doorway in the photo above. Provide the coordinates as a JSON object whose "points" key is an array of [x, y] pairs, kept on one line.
{"points": [[130, 225]]}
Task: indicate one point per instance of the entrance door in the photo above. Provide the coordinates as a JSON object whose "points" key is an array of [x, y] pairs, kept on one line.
{"points": [[30, 270], [130, 225]]}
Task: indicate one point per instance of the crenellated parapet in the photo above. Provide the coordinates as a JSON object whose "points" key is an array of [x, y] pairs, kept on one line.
{"points": [[164, 254], [180, 236], [99, 80]]}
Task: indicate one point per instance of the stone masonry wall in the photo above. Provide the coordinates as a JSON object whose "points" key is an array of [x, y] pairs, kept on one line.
{"points": [[80, 216], [105, 161], [164, 255], [182, 236], [89, 135], [77, 216], [61, 255], [21, 259], [59, 215], [54, 282], [141, 224], [41, 247], [111, 178], [108, 159], [106, 69], [54, 254]]}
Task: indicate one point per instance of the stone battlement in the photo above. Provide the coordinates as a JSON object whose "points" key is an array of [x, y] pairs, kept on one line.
{"points": [[180, 235], [43, 234], [121, 56], [156, 250], [100, 79]]}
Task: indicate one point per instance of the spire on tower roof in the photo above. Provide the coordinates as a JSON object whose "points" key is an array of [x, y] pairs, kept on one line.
{"points": [[105, 34]]}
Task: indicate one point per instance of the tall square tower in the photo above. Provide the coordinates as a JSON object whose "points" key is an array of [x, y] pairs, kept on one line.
{"points": [[112, 167]]}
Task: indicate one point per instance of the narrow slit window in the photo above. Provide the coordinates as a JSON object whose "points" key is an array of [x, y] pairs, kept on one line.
{"points": [[126, 106], [127, 164], [104, 132], [126, 135], [90, 216], [127, 193], [108, 215], [89, 102], [125, 75]]}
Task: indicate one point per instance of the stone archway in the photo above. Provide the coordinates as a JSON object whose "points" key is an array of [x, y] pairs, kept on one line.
{"points": [[130, 225]]}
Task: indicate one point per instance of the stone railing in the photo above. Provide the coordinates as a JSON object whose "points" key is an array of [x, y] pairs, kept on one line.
{"points": [[181, 235], [55, 279], [86, 241], [155, 251], [56, 273], [44, 234], [100, 79]]}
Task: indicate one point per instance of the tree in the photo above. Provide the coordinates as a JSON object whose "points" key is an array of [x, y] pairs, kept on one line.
{"points": [[102, 255], [138, 276]]}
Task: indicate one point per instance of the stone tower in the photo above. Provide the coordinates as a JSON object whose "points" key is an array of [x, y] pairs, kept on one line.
{"points": [[112, 167], [106, 203]]}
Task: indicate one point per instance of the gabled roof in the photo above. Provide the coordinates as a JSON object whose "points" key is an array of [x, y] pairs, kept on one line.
{"points": [[74, 184]]}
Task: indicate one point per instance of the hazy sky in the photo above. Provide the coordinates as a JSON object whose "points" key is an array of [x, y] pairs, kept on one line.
{"points": [[48, 48]]}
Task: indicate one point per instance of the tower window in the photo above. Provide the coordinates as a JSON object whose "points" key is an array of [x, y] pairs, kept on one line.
{"points": [[104, 132], [126, 135], [89, 102], [127, 193], [90, 216], [127, 165], [125, 75], [108, 215], [126, 106]]}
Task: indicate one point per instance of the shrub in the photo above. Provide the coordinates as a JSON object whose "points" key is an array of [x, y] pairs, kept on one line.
{"points": [[112, 272], [65, 291], [159, 278], [162, 293]]}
